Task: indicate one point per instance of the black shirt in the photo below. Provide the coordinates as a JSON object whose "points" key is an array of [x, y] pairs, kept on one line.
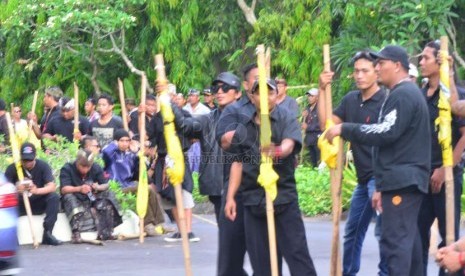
{"points": [[61, 126], [401, 140], [313, 131], [40, 174], [104, 133], [353, 109], [48, 116], [457, 123], [70, 176], [283, 126], [4, 129]]}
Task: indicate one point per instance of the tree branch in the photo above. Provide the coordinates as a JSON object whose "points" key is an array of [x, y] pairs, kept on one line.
{"points": [[249, 12]]}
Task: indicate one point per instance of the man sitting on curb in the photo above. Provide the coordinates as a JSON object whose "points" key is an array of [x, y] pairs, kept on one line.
{"points": [[39, 184]]}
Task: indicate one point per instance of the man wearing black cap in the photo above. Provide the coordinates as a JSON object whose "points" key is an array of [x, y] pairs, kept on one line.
{"points": [[290, 230], [208, 99], [311, 126], [3, 125], [402, 152], [41, 189]]}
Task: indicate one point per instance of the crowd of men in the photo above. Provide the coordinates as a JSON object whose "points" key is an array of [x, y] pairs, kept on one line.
{"points": [[390, 120]]}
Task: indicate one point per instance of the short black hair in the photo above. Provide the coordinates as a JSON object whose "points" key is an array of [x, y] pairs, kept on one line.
{"points": [[106, 97], [246, 70], [92, 101], [150, 97], [84, 141]]}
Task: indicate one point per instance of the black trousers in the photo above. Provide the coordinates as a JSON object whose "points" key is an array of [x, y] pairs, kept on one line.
{"points": [[434, 206], [400, 240], [313, 155], [48, 204], [290, 238], [231, 247], [216, 201]]}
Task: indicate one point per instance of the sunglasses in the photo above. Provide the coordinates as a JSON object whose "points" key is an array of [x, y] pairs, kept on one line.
{"points": [[17, 111], [224, 87]]}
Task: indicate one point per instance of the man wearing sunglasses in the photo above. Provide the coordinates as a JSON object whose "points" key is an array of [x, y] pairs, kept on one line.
{"points": [[359, 106]]}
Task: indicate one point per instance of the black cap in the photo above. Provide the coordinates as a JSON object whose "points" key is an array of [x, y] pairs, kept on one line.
{"points": [[228, 78], [394, 53], [193, 91], [270, 82], [120, 133], [2, 105], [28, 151]]}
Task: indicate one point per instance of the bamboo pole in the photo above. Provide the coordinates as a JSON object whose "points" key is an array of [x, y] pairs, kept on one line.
{"points": [[76, 110], [161, 80], [142, 131], [33, 111], [336, 177], [265, 139], [124, 112], [449, 175], [19, 171]]}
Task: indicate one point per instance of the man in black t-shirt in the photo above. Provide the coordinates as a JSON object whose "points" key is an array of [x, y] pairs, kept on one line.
{"points": [[359, 106], [63, 125], [40, 187], [104, 128]]}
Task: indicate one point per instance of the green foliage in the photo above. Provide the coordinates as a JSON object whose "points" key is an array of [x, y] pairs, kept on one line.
{"points": [[198, 198], [127, 201], [313, 187]]}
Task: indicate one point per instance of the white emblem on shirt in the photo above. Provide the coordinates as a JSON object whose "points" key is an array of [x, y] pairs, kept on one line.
{"points": [[385, 126]]}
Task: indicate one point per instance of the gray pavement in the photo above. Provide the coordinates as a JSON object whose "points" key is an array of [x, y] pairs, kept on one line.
{"points": [[156, 257]]}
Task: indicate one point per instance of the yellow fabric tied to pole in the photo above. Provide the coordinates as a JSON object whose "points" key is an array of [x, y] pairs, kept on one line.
{"points": [[328, 151], [175, 165], [268, 177], [444, 120], [143, 187]]}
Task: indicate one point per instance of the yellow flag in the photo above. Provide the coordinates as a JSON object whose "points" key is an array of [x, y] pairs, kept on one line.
{"points": [[444, 120], [328, 151], [142, 188], [267, 177], [15, 146]]}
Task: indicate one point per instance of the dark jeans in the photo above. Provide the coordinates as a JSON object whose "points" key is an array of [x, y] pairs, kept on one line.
{"points": [[434, 206], [358, 220], [48, 204], [313, 155], [400, 240], [290, 238], [216, 201], [231, 247]]}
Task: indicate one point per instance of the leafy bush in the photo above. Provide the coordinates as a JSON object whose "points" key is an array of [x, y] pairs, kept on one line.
{"points": [[313, 187], [127, 201], [198, 198]]}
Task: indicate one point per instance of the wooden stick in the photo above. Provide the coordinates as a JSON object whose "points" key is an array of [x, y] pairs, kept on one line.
{"points": [[268, 62], [124, 112], [265, 139], [336, 177], [33, 111], [449, 175], [76, 109], [142, 144], [161, 80], [19, 172]]}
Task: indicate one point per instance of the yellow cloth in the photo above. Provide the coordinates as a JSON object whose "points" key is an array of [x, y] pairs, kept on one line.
{"points": [[268, 178], [142, 188], [328, 151], [443, 123]]}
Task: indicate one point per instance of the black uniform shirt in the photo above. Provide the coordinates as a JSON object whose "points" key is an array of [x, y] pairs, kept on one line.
{"points": [[48, 116], [70, 176], [41, 174], [61, 126], [353, 109], [283, 126]]}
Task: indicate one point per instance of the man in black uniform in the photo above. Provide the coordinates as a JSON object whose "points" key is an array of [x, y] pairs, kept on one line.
{"points": [[434, 203], [63, 125], [290, 231], [311, 126], [402, 150], [41, 188], [52, 109]]}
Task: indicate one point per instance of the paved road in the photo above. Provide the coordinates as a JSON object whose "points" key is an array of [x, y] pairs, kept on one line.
{"points": [[156, 257]]}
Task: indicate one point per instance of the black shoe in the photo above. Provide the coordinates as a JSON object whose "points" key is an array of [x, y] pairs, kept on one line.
{"points": [[48, 238]]}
